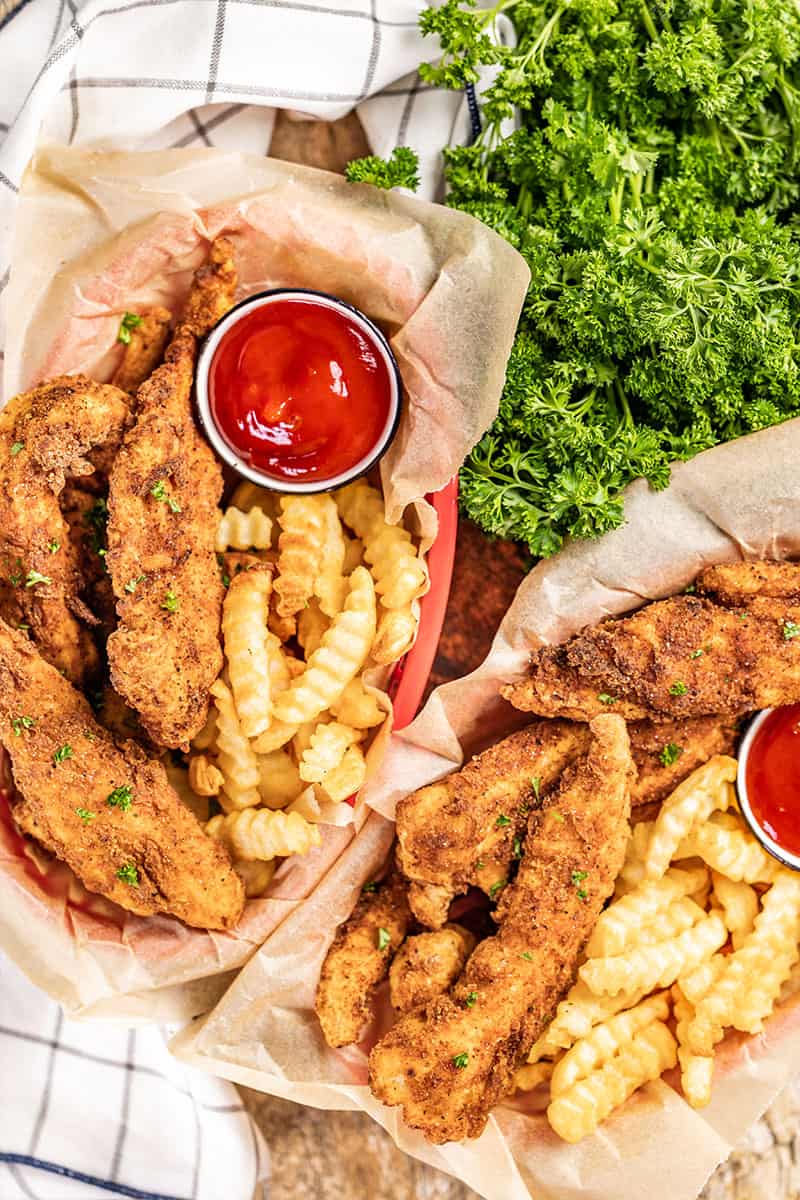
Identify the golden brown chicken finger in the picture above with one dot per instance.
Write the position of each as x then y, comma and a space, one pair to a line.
666, 752
163, 494
144, 349
108, 812
450, 1061
359, 959
466, 829
428, 965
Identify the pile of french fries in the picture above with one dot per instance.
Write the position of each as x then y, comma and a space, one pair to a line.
320, 589
701, 937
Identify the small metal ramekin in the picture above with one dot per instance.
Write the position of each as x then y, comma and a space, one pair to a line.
231, 456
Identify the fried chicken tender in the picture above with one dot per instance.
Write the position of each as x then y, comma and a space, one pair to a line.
145, 349
107, 811
692, 742
163, 494
45, 434
461, 831
428, 965
726, 650
466, 830
359, 959
448, 1062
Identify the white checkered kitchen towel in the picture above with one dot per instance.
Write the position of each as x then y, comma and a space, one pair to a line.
92, 1109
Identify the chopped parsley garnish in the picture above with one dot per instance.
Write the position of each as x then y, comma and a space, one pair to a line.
54, 546
85, 814
129, 321
15, 449
470, 999
62, 754
159, 492
132, 584
501, 821
24, 626
790, 630
670, 754
697, 653
384, 938
526, 954
497, 887
557, 816
577, 879
690, 589
20, 723
90, 737
128, 874
479, 864
516, 848
34, 577
678, 688
370, 887
604, 698
121, 797
536, 783
460, 1060
96, 519
170, 602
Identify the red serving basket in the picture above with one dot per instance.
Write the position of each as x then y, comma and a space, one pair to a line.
410, 676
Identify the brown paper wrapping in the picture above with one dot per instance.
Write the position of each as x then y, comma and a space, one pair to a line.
99, 233
738, 500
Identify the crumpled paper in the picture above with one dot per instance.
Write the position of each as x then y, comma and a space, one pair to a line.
99, 233
737, 500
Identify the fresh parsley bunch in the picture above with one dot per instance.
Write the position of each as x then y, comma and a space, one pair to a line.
651, 188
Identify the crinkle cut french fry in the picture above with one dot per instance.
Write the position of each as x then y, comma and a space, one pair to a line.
533, 1075
739, 904
256, 876
606, 1040
239, 530
330, 585
261, 834
632, 872
692, 801
696, 983
395, 636
207, 736
681, 915
696, 1069
279, 780
357, 707
277, 733
346, 779
400, 574
579, 1111
337, 660
301, 544
307, 805
235, 757
245, 638
735, 853
205, 779
325, 751
353, 554
657, 965
750, 982
576, 1016
619, 925
249, 495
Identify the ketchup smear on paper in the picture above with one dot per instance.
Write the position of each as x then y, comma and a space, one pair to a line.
773, 777
299, 390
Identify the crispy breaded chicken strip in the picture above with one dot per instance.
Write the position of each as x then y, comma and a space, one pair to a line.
690, 743
145, 349
727, 650
106, 811
450, 1061
359, 959
462, 830
163, 494
428, 965
46, 434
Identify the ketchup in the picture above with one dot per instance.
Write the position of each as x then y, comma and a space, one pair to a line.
772, 776
299, 390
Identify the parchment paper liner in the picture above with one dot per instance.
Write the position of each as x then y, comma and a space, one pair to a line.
99, 233
742, 499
